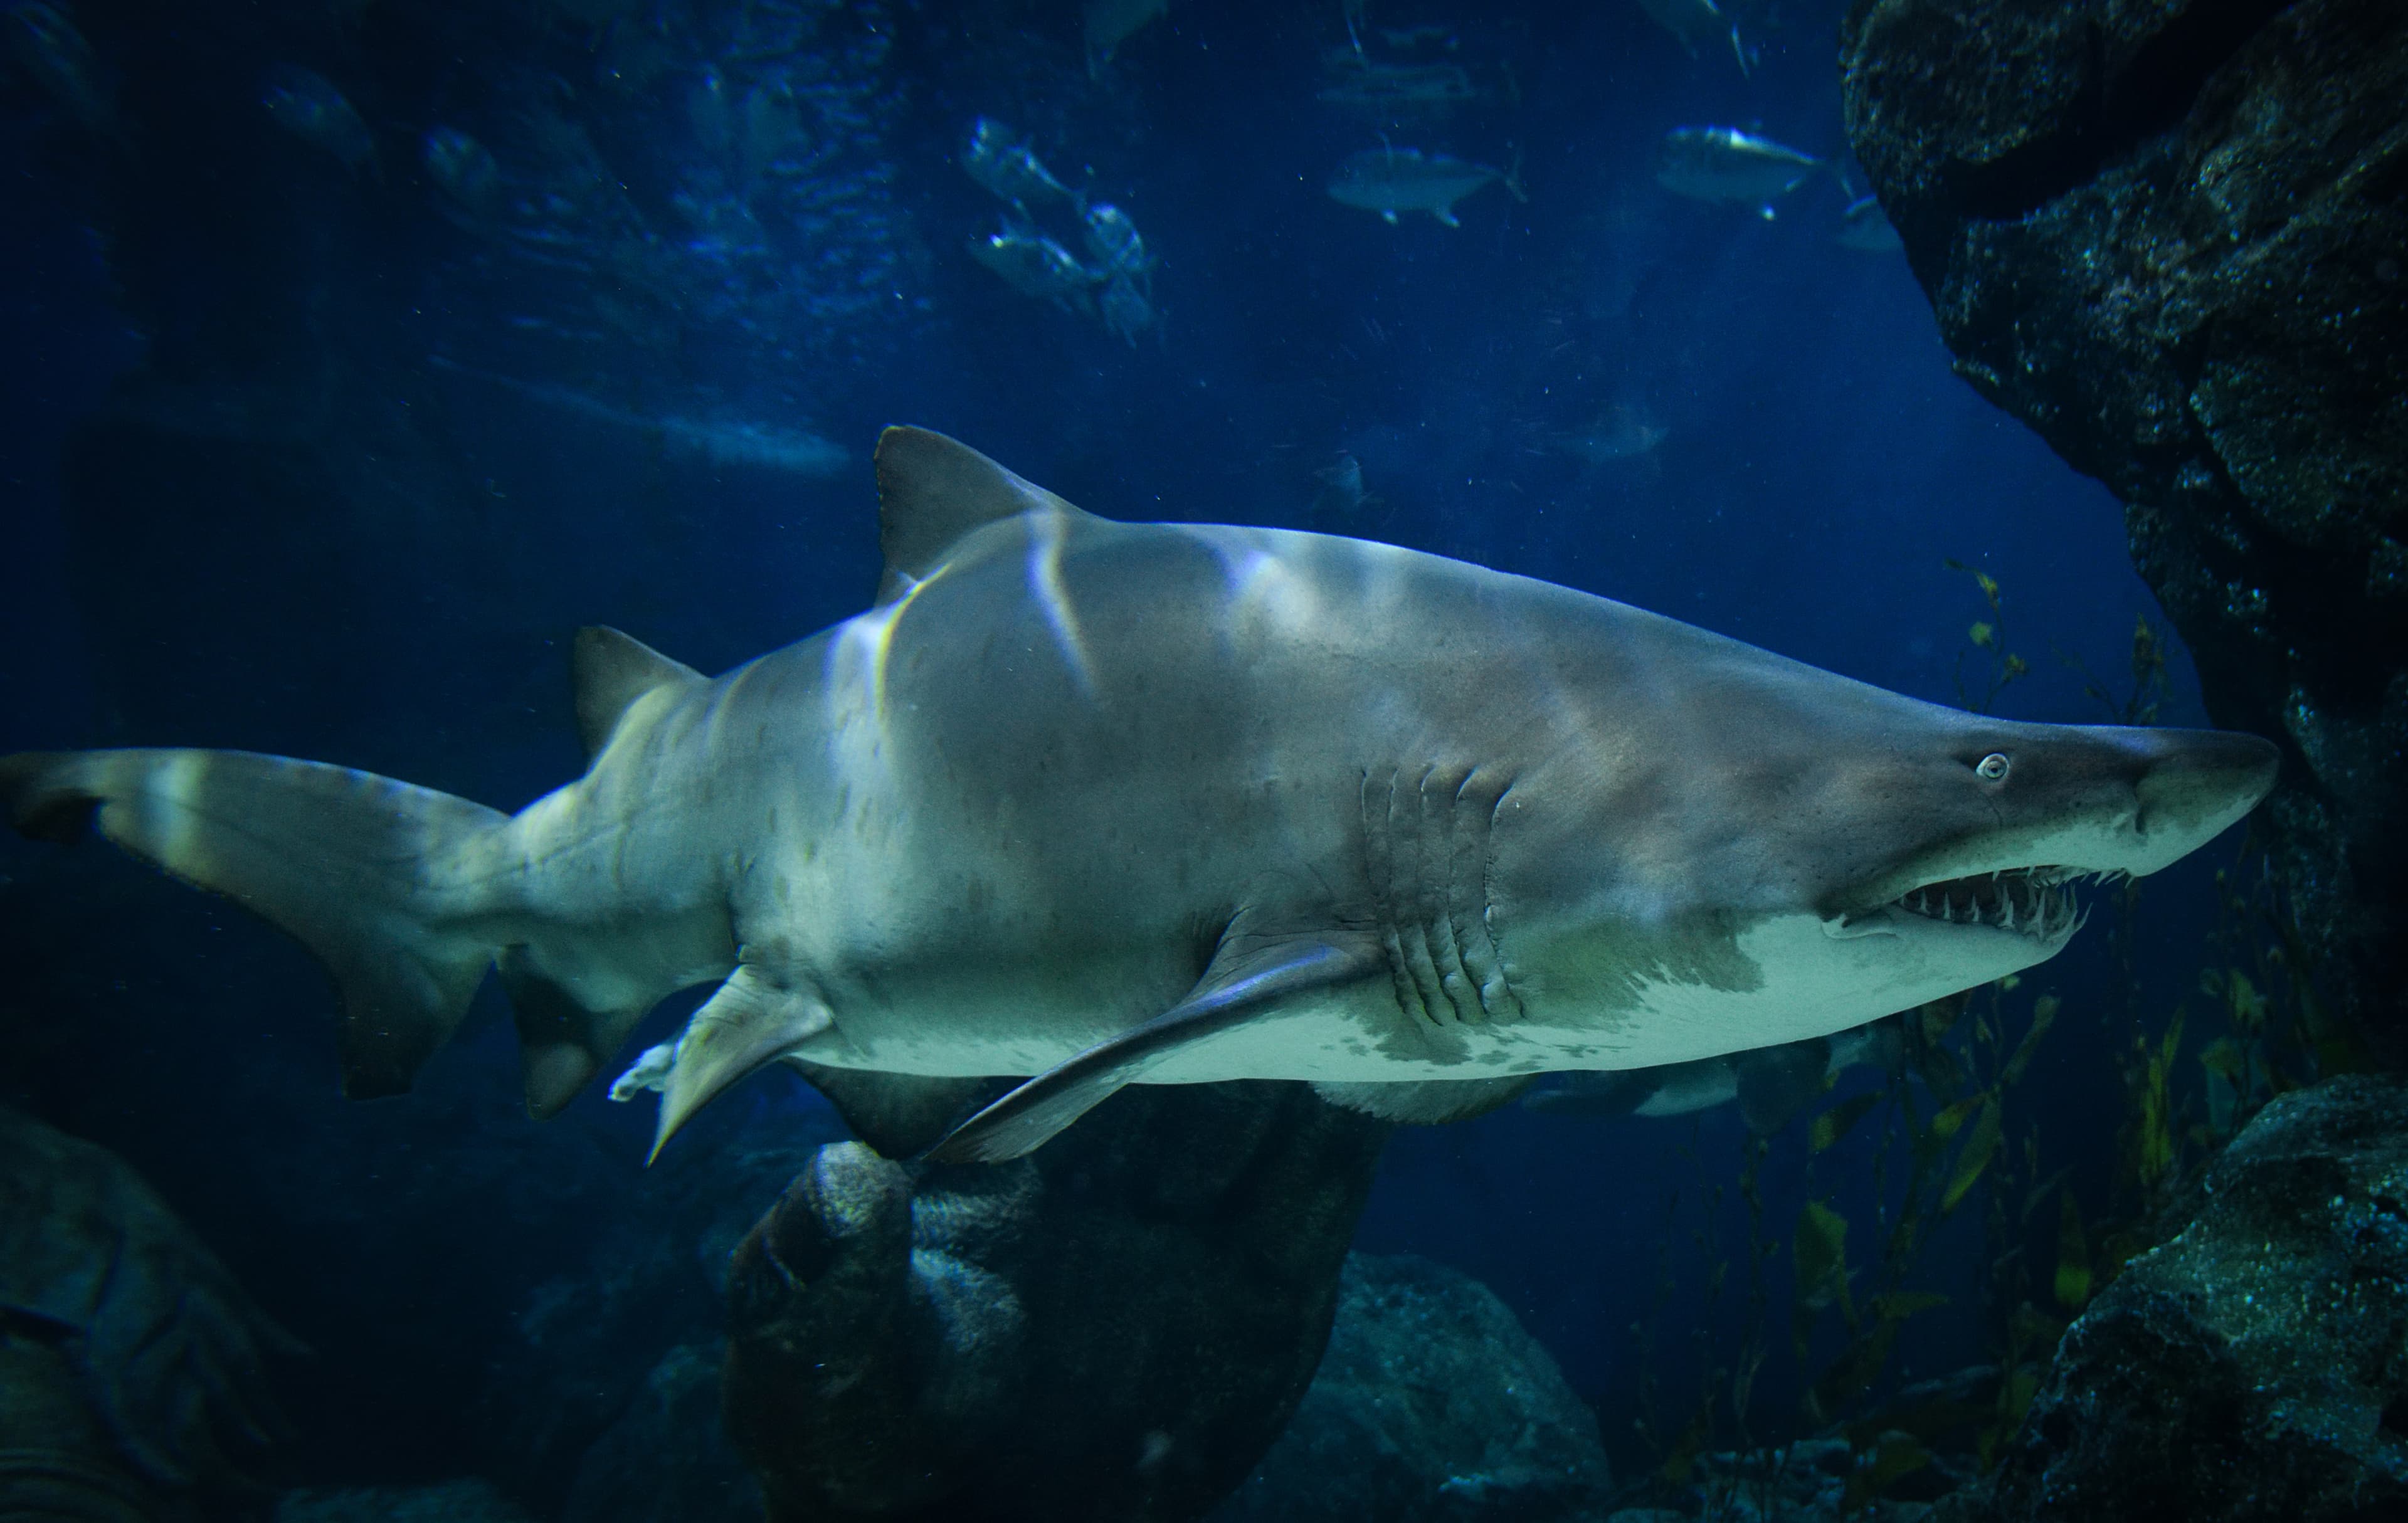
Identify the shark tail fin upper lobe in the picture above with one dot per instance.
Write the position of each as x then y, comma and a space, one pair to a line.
380, 879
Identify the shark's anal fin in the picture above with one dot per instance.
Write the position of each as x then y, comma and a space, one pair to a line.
563, 1040
749, 1022
1234, 988
610, 671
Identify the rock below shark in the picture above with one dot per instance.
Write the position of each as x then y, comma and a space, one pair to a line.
1107, 803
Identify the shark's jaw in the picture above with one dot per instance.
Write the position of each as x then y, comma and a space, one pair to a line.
2041, 905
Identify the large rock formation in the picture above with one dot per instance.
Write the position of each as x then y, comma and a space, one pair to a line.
133, 1369
2172, 237
1116, 1327
2256, 1365
1432, 1405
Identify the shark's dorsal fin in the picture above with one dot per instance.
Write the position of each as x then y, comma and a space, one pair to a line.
1233, 990
932, 491
611, 672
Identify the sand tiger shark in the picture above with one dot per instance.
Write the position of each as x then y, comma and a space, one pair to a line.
1105, 803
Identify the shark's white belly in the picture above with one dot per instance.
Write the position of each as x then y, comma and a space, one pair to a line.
1810, 985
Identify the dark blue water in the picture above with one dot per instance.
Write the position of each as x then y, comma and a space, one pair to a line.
306, 457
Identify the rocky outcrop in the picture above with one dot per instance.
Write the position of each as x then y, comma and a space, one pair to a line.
2256, 1365
134, 1379
1432, 1405
2173, 239
1115, 1327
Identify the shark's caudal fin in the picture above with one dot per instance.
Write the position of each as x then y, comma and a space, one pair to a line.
377, 878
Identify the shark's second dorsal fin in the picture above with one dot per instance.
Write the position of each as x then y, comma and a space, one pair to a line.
610, 671
932, 491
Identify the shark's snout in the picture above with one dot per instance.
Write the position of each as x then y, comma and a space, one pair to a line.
2201, 780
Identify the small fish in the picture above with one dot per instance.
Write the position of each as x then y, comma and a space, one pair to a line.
306, 103
1010, 171
1622, 434
1111, 22
1035, 266
47, 46
1391, 179
463, 169
1693, 22
1118, 248
1771, 1084
1360, 84
1726, 165
1341, 498
1125, 309
720, 439
1863, 226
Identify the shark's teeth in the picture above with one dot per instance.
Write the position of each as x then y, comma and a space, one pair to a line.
2040, 902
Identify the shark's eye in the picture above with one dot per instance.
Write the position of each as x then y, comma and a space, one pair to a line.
1992, 767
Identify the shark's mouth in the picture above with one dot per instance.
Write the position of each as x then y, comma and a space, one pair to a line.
2038, 902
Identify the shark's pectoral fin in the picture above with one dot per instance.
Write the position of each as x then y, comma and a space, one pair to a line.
749, 1022
1425, 1102
900, 1114
1446, 216
1235, 987
608, 671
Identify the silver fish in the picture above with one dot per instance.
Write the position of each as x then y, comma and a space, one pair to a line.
1125, 309
1391, 179
1864, 226
49, 47
1622, 434
463, 169
1010, 170
1726, 165
306, 103
1035, 266
1698, 23
1383, 88
1107, 24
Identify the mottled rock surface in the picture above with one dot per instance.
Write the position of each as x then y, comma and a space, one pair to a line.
1115, 1327
2172, 237
135, 1377
1432, 1405
2256, 1365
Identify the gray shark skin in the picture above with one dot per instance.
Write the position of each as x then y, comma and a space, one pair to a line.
1110, 802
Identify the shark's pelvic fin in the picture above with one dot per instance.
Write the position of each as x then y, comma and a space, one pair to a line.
610, 672
1233, 989
1425, 1102
380, 879
931, 492
749, 1022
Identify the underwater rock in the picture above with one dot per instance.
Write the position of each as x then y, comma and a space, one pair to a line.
445, 1501
668, 1456
1432, 1405
2169, 237
2251, 1366
602, 1404
133, 1367
1115, 1327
